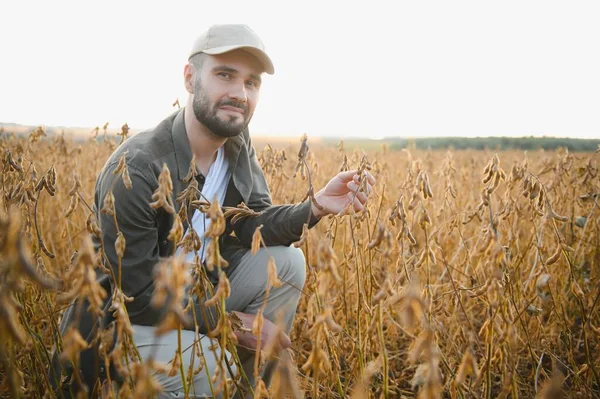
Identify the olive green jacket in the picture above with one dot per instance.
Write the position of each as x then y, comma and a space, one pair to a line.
146, 229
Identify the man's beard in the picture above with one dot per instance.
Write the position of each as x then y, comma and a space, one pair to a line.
207, 115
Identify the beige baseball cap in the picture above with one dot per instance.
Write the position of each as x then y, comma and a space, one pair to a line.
219, 39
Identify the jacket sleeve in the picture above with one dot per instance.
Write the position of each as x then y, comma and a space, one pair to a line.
136, 219
282, 224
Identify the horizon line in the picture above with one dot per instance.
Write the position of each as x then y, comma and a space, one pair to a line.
282, 136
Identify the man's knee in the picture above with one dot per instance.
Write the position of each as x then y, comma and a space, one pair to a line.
291, 264
172, 386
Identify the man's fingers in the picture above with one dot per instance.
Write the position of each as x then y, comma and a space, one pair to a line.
369, 176
358, 206
347, 176
353, 186
360, 196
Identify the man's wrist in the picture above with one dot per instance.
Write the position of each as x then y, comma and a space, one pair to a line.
316, 212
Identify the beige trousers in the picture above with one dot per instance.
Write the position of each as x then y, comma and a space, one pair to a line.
248, 285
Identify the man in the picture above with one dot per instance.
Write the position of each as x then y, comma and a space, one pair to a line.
223, 81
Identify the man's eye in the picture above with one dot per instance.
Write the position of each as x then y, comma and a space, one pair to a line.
225, 75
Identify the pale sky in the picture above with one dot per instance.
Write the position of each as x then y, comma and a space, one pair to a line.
342, 68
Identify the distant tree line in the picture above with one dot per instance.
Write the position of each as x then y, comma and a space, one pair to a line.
480, 143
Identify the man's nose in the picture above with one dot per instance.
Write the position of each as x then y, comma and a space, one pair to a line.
238, 92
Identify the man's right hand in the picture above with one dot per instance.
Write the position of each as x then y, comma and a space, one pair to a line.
342, 190
269, 332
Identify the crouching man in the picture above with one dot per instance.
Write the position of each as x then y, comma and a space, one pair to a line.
223, 81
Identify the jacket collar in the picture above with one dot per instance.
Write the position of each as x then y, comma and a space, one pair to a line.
183, 152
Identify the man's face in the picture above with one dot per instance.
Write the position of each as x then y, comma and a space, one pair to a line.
226, 92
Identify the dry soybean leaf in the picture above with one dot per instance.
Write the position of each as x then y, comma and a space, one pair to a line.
303, 237
567, 248
558, 217
175, 363
431, 256
272, 273
121, 164
535, 190
555, 256
11, 321
76, 185
92, 225
127, 179
468, 367
378, 236
176, 231
73, 344
577, 291
109, 204
256, 239
72, 205
120, 245
45, 250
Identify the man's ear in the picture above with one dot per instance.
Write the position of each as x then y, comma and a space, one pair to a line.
188, 78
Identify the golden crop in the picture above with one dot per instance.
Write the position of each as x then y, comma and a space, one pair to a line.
470, 274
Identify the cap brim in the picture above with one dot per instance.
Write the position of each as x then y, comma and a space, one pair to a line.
262, 57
